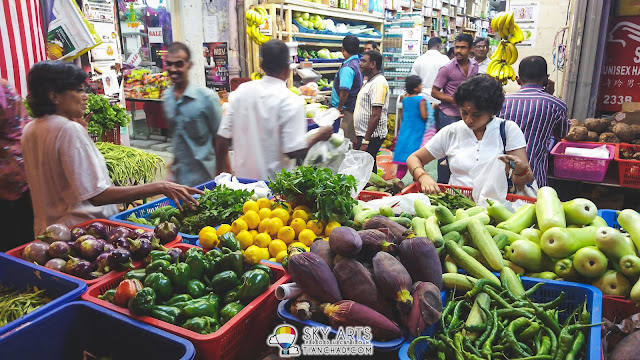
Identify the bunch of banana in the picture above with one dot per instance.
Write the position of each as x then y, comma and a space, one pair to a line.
504, 24
255, 76
506, 51
501, 70
256, 17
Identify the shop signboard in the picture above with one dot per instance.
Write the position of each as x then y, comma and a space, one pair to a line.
620, 77
155, 35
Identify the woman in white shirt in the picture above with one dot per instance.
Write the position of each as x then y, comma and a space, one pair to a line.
475, 139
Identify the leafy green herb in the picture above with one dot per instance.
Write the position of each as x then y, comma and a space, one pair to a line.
326, 193
218, 206
105, 116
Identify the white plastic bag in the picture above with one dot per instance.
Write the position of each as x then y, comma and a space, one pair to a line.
260, 188
326, 154
489, 181
398, 203
360, 165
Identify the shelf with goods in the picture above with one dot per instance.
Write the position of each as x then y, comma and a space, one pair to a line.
283, 25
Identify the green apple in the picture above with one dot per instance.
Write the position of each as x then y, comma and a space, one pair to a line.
579, 211
564, 268
613, 283
532, 234
613, 244
590, 262
297, 14
630, 266
305, 16
560, 243
526, 254
299, 20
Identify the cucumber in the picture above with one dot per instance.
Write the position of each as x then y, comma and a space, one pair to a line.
449, 265
406, 215
497, 211
422, 209
454, 235
511, 236
433, 230
418, 225
461, 225
549, 210
476, 315
516, 268
461, 214
520, 220
484, 242
378, 181
359, 219
501, 240
475, 254
401, 220
475, 210
460, 282
468, 263
511, 281
444, 215
385, 210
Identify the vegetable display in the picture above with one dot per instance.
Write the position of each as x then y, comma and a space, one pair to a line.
15, 304
377, 183
129, 166
608, 130
105, 116
200, 292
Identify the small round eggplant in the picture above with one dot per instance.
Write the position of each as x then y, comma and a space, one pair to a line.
90, 249
102, 263
122, 243
166, 231
119, 259
119, 232
77, 245
176, 255
55, 232
37, 252
56, 264
79, 268
136, 233
59, 249
97, 229
108, 248
76, 233
146, 235
140, 248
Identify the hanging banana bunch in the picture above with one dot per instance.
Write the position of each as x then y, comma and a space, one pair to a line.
256, 76
506, 54
255, 17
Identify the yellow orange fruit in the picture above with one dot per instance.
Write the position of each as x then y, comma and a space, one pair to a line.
264, 203
250, 205
245, 239
276, 246
301, 214
252, 219
223, 229
287, 234
281, 214
280, 256
298, 225
208, 237
253, 233
238, 226
262, 227
316, 226
303, 208
306, 237
273, 226
264, 213
285, 205
262, 240
330, 226
297, 244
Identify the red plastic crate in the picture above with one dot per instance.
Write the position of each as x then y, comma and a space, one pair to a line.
580, 167
112, 136
251, 325
17, 252
617, 308
628, 170
371, 195
466, 191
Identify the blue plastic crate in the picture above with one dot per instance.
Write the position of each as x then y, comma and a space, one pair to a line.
393, 345
82, 326
20, 274
336, 126
145, 210
575, 296
610, 216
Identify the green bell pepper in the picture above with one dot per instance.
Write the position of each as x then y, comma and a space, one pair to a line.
157, 266
231, 260
196, 288
229, 241
196, 264
210, 267
165, 313
161, 284
108, 295
179, 298
230, 310
213, 254
159, 255
194, 250
266, 269
231, 295
143, 301
224, 281
200, 307
254, 283
179, 274
138, 274
201, 324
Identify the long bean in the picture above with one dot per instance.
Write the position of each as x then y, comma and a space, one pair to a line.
15, 304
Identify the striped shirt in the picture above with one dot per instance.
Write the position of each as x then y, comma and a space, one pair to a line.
540, 116
375, 92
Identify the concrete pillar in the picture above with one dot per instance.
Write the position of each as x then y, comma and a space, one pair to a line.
186, 22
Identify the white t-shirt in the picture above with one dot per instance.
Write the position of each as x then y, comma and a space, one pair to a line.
482, 66
64, 170
426, 66
463, 151
265, 121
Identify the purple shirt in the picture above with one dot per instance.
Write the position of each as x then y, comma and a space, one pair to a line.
449, 78
540, 116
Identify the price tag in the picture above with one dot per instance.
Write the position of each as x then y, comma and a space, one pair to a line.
134, 59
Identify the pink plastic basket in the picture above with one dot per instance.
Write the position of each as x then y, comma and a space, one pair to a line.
580, 167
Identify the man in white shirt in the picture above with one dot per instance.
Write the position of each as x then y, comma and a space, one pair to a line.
481, 52
427, 65
266, 121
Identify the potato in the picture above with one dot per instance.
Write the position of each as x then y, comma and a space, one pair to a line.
624, 132
609, 137
577, 133
597, 125
574, 122
636, 131
592, 136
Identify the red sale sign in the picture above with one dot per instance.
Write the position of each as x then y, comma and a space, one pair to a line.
620, 78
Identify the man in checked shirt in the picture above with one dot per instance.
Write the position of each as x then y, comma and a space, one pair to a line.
540, 115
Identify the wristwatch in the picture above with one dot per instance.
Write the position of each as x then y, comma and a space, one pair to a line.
365, 142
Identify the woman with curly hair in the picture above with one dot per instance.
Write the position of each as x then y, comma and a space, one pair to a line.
475, 139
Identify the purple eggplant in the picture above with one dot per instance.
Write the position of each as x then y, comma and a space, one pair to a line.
166, 231
120, 260
76, 233
136, 233
55, 232
59, 249
119, 232
102, 263
77, 245
56, 264
97, 229
176, 255
36, 252
90, 249
122, 243
102, 241
140, 248
79, 268
108, 248
146, 235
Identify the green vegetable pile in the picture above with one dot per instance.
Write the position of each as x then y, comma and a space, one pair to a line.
452, 201
105, 116
129, 166
15, 304
327, 194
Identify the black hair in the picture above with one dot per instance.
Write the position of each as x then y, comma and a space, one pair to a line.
372, 43
411, 83
351, 44
483, 91
532, 69
450, 52
465, 38
51, 76
176, 46
434, 42
376, 57
479, 40
275, 57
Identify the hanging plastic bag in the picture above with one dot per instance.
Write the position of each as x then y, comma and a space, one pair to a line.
328, 154
399, 203
260, 188
489, 181
360, 165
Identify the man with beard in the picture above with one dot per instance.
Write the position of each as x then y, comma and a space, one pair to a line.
194, 114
